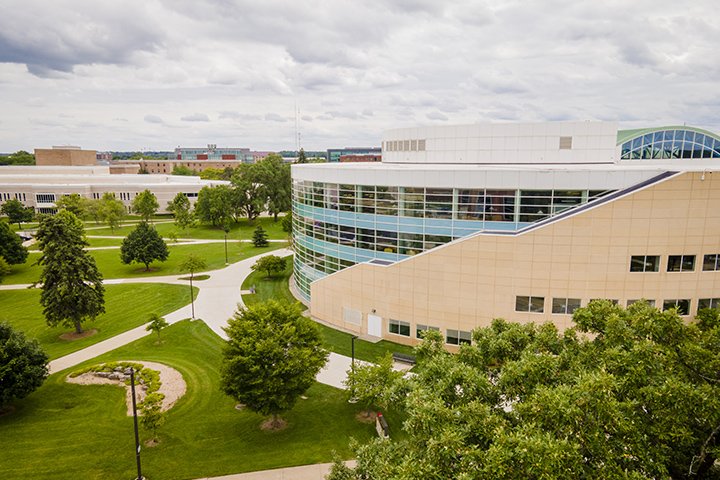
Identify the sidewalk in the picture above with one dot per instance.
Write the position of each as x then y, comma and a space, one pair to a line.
305, 472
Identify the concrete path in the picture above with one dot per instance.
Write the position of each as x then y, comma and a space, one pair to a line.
305, 472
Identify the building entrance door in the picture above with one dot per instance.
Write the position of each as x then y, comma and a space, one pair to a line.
374, 325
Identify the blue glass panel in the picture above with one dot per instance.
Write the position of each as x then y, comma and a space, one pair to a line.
687, 148
677, 148
438, 231
636, 143
699, 138
668, 135
469, 224
689, 136
657, 137
708, 142
679, 134
697, 150
716, 146
625, 149
707, 153
647, 139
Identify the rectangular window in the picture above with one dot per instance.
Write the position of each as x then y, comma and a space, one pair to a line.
711, 262
649, 302
421, 329
45, 197
645, 263
458, 337
530, 304
681, 263
708, 303
565, 305
682, 305
399, 327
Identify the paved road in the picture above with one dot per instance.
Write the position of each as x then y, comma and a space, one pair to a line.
305, 472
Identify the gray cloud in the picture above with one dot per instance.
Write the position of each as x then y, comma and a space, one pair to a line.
153, 119
437, 116
195, 117
274, 117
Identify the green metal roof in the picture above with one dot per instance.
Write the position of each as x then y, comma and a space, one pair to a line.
625, 135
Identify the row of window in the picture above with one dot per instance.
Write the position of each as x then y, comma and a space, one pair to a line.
404, 145
569, 305
45, 198
675, 263
452, 337
12, 196
490, 205
671, 144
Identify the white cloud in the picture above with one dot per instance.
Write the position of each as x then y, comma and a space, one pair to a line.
195, 117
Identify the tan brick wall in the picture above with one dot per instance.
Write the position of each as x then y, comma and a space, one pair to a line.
468, 283
62, 156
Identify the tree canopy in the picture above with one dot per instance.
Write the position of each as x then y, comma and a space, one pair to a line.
73, 203
270, 264
143, 245
11, 247
21, 157
111, 210
17, 212
72, 289
271, 357
23, 365
249, 191
145, 204
274, 174
183, 170
214, 204
639, 397
182, 210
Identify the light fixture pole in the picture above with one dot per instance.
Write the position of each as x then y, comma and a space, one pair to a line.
352, 369
135, 420
226, 229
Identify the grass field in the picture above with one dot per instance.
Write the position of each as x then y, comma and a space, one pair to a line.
65, 431
105, 242
335, 340
109, 264
238, 231
127, 306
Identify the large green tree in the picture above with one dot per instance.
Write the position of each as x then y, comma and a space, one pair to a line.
112, 210
16, 212
73, 203
249, 191
11, 247
182, 210
270, 264
274, 174
143, 245
145, 204
626, 394
214, 205
72, 289
21, 157
272, 356
23, 365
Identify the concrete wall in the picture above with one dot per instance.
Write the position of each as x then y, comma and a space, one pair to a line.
467, 283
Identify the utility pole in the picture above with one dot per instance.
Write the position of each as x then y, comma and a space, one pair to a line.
135, 419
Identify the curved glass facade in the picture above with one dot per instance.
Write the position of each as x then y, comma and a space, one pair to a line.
338, 225
675, 143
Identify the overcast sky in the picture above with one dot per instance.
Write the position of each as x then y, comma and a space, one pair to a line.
156, 74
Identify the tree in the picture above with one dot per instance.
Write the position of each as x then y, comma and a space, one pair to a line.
4, 269
636, 396
152, 415
212, 174
145, 204
16, 212
249, 192
72, 289
23, 365
11, 247
143, 245
192, 264
214, 204
302, 158
93, 209
112, 210
271, 357
181, 209
21, 157
286, 223
371, 384
270, 264
274, 174
183, 170
157, 323
260, 237
73, 203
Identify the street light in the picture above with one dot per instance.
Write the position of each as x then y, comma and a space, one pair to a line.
135, 419
226, 229
352, 399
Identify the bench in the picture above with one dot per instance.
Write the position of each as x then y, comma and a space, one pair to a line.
403, 358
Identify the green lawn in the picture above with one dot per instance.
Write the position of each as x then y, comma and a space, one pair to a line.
65, 431
335, 340
109, 264
126, 307
239, 231
105, 242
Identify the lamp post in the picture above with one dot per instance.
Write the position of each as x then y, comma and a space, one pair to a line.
135, 420
352, 369
226, 229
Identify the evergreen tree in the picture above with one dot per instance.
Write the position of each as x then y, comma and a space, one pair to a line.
143, 245
260, 237
302, 158
11, 247
72, 289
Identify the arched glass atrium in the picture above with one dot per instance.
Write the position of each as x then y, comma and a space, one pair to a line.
670, 143
338, 225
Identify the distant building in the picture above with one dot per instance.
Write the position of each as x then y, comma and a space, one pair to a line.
212, 152
334, 154
257, 156
155, 166
66, 155
103, 156
361, 157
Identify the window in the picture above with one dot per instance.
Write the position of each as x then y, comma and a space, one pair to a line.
421, 329
458, 337
683, 306
645, 263
530, 304
711, 262
565, 305
649, 302
681, 263
708, 303
45, 197
399, 327
565, 143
